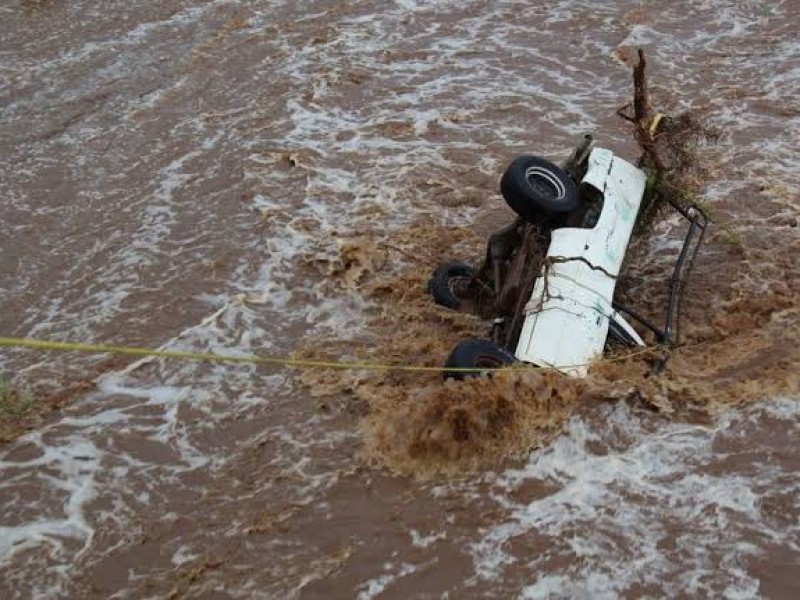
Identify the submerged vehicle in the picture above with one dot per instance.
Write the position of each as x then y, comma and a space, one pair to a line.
548, 280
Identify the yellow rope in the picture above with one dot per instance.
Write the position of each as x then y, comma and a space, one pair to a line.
12, 342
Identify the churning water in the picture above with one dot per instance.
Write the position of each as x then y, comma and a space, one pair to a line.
279, 177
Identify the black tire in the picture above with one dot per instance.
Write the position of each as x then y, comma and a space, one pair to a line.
441, 283
476, 354
539, 191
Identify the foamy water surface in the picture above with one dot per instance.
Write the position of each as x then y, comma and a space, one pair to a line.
190, 174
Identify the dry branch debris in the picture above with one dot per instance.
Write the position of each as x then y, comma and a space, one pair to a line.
669, 148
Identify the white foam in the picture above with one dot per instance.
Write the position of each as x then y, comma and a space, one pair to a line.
510, 89
76, 462
374, 587
614, 510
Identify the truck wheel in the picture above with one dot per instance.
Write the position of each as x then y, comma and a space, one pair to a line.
539, 191
476, 354
449, 282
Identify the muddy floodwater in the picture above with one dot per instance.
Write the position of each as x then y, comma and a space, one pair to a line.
279, 178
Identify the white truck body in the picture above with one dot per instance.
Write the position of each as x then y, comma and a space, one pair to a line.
567, 317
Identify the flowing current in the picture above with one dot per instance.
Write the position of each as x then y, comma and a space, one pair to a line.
279, 178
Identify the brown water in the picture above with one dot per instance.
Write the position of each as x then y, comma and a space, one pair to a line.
270, 177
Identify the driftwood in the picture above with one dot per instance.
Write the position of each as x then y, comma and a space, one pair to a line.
645, 120
669, 147
675, 176
645, 123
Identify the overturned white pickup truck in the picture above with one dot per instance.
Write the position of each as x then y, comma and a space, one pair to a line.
556, 308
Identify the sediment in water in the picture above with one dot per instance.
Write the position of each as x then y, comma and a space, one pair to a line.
738, 346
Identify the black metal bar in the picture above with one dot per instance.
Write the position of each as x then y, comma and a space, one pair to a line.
640, 319
680, 275
574, 165
684, 211
683, 266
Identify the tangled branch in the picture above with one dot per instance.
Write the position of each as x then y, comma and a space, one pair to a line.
669, 146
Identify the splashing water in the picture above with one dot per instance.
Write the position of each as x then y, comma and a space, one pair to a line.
274, 177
